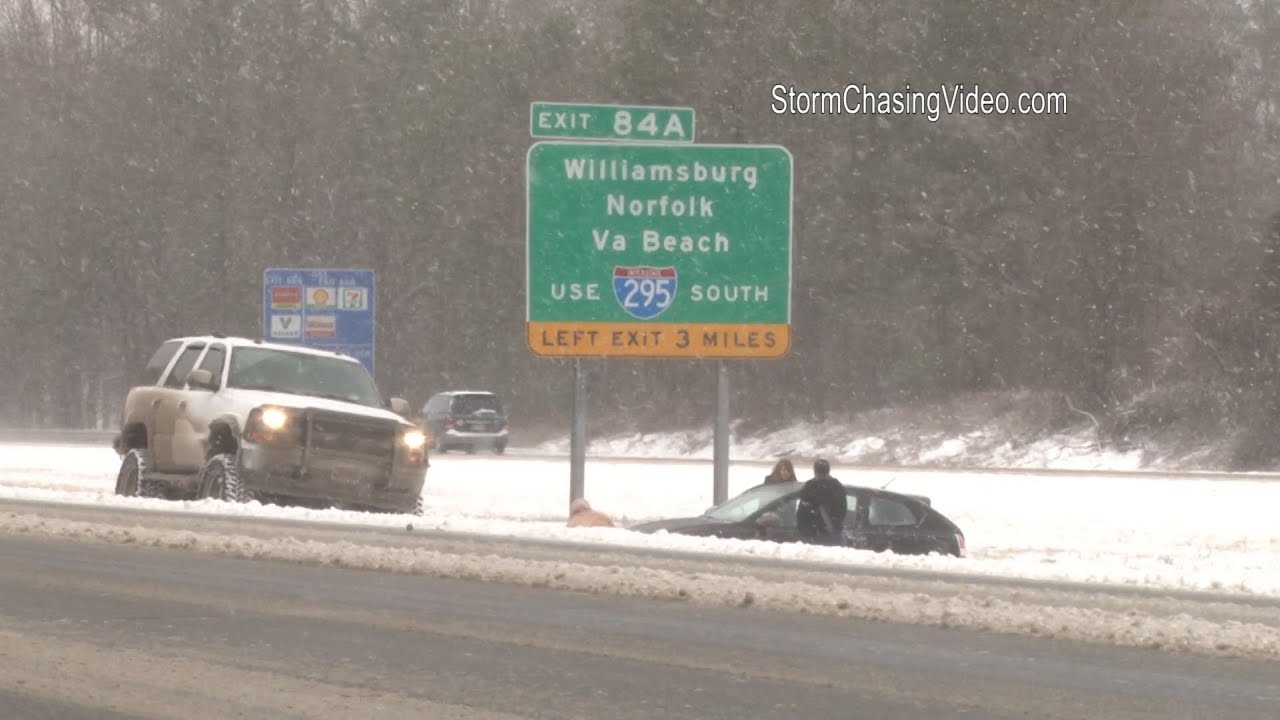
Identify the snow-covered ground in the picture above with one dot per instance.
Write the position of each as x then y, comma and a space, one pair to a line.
1151, 531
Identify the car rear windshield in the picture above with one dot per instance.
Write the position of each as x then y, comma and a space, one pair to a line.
274, 370
473, 403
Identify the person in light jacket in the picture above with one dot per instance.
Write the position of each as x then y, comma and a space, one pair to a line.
582, 515
783, 472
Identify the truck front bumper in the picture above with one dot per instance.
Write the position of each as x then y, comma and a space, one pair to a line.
329, 478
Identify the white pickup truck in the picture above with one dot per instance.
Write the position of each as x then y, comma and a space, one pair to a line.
238, 420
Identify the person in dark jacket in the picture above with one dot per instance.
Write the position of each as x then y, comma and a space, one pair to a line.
823, 505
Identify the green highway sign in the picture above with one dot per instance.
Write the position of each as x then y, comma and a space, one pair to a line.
642, 250
611, 122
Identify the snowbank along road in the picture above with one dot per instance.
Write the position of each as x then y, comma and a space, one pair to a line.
103, 630
1220, 624
1148, 562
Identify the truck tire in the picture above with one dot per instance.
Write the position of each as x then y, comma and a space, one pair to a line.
133, 479
220, 480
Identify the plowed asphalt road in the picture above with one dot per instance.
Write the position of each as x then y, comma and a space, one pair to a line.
111, 631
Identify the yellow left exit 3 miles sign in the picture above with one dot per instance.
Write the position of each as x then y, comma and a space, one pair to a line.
660, 340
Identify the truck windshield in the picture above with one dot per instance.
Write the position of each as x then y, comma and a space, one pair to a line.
255, 368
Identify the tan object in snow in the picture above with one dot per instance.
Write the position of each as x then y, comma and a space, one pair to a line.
581, 515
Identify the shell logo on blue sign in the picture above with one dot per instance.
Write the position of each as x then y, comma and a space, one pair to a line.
644, 292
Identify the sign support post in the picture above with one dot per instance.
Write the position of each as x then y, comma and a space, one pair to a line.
578, 436
720, 481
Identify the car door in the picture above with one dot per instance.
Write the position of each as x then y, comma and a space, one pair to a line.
856, 532
196, 410
165, 410
785, 509
891, 525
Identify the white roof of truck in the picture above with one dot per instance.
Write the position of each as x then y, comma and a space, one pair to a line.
234, 342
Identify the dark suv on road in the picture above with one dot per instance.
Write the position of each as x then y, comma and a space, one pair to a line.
466, 419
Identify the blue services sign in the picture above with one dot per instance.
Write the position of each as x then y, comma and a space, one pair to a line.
325, 309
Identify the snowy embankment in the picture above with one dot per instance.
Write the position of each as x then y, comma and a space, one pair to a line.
995, 429
990, 448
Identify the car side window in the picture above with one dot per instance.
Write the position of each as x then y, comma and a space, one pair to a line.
160, 359
186, 361
786, 510
213, 362
883, 511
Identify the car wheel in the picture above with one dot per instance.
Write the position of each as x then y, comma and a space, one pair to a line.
419, 507
133, 480
220, 480
499, 448
471, 449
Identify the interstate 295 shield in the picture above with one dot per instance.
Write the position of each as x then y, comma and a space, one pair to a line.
644, 292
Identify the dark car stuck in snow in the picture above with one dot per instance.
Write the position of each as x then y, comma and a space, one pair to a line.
877, 520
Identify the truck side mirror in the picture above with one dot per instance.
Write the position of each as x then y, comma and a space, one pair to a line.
400, 406
202, 378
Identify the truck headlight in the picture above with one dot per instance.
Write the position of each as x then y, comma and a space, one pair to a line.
274, 418
414, 439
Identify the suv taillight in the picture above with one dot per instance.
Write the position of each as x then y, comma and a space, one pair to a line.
960, 544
